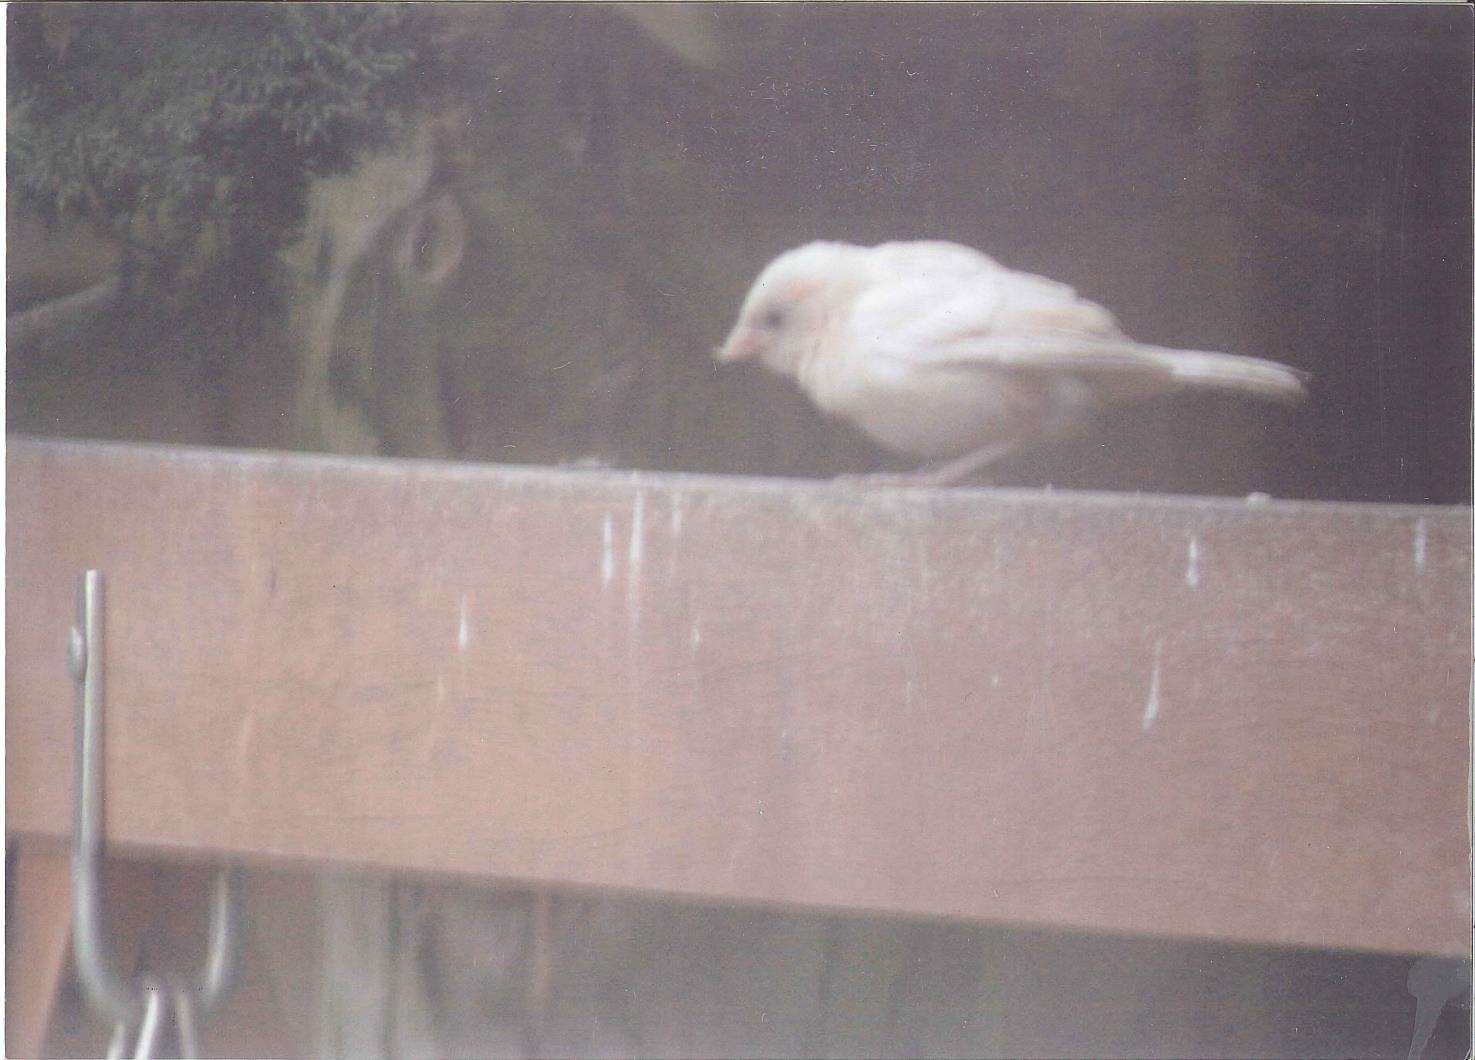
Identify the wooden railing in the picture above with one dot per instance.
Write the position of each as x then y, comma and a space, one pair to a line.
1209, 718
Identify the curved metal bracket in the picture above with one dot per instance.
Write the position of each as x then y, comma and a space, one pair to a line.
125, 1000
106, 987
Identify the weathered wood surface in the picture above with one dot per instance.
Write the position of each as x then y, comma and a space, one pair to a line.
1195, 717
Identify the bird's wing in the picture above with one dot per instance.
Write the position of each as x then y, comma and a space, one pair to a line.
994, 318
997, 319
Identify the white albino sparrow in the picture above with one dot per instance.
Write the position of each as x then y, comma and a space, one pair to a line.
939, 352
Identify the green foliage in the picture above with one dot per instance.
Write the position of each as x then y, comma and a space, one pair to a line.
191, 131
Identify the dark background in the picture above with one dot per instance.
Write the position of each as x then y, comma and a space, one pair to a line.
1280, 181
1288, 182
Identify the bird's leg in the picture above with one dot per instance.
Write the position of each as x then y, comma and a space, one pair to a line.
951, 471
946, 473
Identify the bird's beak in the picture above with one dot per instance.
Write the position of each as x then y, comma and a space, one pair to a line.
741, 345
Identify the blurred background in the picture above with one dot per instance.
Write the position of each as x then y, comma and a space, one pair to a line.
514, 233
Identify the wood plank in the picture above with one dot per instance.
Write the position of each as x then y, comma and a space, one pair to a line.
36, 943
1177, 716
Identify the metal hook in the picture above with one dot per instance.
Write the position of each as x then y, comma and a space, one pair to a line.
107, 989
123, 1000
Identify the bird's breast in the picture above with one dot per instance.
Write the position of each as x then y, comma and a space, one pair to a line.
925, 411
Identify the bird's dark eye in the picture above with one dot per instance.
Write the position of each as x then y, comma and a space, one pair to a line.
772, 318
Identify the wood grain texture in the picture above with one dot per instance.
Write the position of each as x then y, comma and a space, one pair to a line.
1170, 716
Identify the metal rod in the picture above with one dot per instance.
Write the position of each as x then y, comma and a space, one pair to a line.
151, 1025
106, 988
220, 954
186, 1026
118, 1045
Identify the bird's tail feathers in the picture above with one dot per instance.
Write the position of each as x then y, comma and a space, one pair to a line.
1129, 367
1228, 371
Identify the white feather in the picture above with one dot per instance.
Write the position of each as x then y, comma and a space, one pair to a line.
937, 350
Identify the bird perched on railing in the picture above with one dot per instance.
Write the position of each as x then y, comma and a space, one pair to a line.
939, 352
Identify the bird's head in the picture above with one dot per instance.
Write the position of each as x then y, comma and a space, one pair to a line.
784, 313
